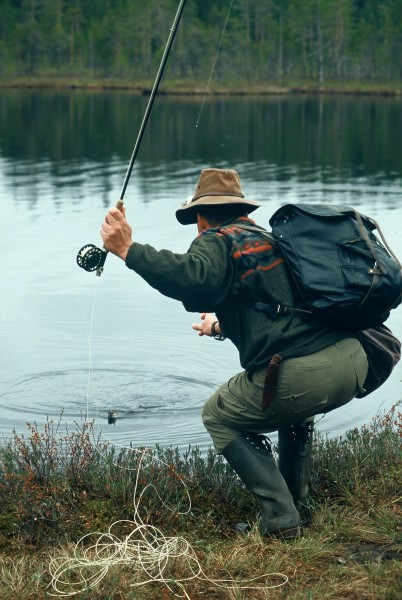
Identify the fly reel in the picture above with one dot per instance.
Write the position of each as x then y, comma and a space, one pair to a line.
91, 258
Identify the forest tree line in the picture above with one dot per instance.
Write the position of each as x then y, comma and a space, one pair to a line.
267, 41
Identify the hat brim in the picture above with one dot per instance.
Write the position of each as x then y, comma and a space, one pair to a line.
187, 215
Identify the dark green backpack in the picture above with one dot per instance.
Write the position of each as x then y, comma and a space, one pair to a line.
345, 276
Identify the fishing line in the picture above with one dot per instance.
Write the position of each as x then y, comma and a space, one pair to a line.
210, 78
214, 63
151, 556
89, 377
89, 330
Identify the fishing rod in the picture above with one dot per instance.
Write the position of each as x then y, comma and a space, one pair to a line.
90, 257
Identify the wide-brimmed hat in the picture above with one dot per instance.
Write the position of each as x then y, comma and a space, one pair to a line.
214, 187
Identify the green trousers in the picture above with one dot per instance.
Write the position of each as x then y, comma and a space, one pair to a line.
309, 385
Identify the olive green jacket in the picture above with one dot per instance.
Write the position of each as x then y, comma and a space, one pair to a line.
224, 271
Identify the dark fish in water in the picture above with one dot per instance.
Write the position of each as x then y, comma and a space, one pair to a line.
111, 417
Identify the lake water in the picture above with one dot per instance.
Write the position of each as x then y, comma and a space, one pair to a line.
63, 157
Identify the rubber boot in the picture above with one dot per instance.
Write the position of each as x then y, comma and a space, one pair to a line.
251, 457
295, 444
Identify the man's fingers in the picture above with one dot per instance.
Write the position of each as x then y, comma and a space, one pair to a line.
116, 214
198, 327
113, 215
110, 218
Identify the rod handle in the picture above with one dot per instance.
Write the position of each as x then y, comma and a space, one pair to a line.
120, 204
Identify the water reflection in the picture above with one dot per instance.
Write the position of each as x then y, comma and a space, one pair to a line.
74, 137
63, 157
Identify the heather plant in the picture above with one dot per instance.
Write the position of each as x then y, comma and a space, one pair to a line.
64, 483
362, 463
41, 473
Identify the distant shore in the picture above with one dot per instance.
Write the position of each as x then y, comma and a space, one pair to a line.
191, 88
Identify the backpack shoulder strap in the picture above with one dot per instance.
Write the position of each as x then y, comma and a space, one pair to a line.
274, 309
256, 229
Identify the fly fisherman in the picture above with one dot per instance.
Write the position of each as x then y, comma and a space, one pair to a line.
293, 368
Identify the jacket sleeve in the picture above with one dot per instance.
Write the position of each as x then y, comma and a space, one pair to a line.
200, 278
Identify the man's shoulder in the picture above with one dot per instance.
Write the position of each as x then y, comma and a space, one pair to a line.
210, 239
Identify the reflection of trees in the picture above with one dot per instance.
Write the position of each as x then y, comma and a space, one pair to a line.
85, 135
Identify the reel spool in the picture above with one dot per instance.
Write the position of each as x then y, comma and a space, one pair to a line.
91, 258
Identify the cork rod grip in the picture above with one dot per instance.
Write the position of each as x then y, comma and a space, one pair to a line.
99, 270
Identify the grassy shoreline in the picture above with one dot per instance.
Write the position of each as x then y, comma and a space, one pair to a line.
191, 88
57, 486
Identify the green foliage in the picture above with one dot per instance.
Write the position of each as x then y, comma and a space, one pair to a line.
65, 484
56, 483
266, 40
363, 466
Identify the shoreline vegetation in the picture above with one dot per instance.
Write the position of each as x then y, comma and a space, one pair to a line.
58, 485
267, 47
191, 88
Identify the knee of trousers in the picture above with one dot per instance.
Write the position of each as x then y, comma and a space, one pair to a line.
220, 433
210, 418
207, 412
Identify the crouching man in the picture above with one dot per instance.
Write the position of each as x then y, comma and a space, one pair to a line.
293, 368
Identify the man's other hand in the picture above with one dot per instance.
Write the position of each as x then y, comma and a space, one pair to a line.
204, 328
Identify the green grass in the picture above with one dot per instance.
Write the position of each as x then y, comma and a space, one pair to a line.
56, 486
